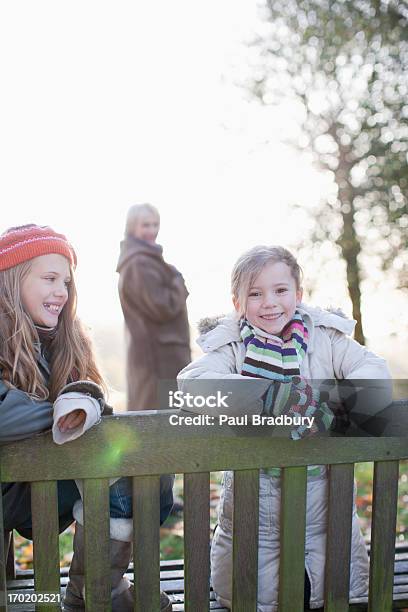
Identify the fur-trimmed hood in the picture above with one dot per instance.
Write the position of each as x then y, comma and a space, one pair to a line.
223, 329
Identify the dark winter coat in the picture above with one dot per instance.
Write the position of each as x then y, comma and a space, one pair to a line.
23, 417
153, 298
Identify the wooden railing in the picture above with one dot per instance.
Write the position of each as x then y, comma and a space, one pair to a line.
144, 445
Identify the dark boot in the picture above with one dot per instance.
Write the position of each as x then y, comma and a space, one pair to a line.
122, 588
74, 595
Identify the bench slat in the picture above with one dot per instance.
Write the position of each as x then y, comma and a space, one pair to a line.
146, 542
292, 539
340, 511
175, 587
151, 436
44, 507
3, 560
385, 495
97, 547
245, 541
10, 561
400, 582
196, 541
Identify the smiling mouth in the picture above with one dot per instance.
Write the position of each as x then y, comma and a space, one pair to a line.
271, 317
53, 308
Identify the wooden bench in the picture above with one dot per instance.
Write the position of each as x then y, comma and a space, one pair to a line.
144, 445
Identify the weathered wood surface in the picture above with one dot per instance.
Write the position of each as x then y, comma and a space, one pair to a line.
385, 494
171, 580
245, 541
120, 444
196, 541
3, 560
44, 505
292, 543
340, 511
97, 548
146, 542
10, 563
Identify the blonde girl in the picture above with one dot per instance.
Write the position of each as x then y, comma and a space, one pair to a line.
284, 344
49, 380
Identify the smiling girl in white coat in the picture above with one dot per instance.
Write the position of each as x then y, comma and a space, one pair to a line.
274, 338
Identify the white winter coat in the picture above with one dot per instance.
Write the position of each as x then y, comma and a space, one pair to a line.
331, 354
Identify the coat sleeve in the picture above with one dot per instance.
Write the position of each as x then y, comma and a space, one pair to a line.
215, 372
20, 416
66, 403
142, 288
371, 390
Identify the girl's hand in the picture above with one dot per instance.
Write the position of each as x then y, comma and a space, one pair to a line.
72, 420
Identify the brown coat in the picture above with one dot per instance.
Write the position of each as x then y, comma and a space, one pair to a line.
153, 298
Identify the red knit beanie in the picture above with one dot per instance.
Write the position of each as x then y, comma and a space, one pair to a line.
19, 244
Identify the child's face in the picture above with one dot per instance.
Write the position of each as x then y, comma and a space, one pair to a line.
147, 227
272, 298
44, 291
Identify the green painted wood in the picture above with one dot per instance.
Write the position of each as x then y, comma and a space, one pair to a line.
196, 541
44, 509
3, 560
10, 561
146, 543
385, 496
245, 541
97, 545
292, 540
340, 512
120, 444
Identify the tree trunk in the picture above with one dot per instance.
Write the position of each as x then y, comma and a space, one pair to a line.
348, 241
351, 249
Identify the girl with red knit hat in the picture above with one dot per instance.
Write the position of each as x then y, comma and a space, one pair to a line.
49, 380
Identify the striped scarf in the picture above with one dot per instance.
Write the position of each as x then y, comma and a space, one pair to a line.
279, 359
275, 358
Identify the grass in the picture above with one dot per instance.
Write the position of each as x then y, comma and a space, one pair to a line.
171, 533
364, 500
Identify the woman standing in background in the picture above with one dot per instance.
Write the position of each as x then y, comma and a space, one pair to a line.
153, 298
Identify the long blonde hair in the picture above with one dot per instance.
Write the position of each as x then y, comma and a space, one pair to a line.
71, 354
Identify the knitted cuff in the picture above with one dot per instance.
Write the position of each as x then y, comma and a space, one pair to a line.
84, 386
88, 387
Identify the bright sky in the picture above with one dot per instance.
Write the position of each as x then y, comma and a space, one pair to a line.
105, 104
